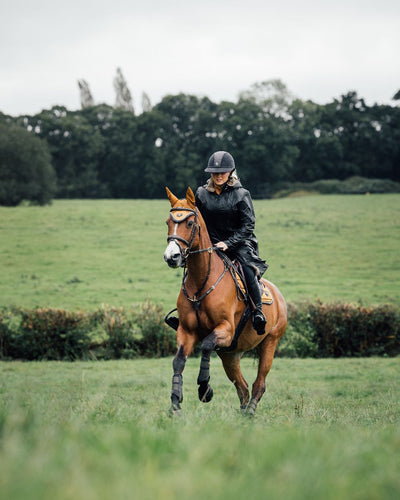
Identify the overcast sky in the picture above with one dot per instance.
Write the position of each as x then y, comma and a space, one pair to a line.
319, 49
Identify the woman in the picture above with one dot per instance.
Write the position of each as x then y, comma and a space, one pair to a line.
228, 211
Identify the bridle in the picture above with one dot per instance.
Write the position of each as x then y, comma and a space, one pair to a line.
178, 215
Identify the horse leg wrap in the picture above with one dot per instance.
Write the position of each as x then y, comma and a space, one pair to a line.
176, 394
204, 374
208, 344
207, 348
205, 391
178, 366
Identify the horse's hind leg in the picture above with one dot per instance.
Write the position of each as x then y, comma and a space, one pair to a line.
231, 363
205, 390
267, 351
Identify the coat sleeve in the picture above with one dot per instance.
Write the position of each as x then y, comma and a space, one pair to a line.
246, 222
197, 199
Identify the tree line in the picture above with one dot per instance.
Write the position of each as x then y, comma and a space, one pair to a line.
103, 151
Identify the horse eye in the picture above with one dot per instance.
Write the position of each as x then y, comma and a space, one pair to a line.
190, 223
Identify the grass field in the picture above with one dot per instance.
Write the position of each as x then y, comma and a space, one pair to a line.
326, 429
97, 430
80, 254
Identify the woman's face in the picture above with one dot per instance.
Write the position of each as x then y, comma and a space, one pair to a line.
220, 178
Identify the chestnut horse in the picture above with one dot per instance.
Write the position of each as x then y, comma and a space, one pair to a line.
209, 308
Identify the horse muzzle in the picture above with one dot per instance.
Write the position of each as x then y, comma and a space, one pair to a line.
173, 255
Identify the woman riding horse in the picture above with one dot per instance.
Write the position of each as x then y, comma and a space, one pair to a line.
210, 309
227, 209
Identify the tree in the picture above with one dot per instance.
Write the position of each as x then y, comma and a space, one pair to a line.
75, 146
123, 97
85, 94
186, 142
120, 168
26, 172
272, 96
349, 119
146, 103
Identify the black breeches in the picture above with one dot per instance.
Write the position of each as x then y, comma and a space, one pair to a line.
249, 272
252, 285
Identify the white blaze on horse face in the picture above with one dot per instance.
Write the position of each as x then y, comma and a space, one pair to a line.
172, 254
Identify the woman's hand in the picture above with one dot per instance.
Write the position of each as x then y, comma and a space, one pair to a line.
222, 246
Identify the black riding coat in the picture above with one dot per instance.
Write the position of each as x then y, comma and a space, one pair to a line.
230, 218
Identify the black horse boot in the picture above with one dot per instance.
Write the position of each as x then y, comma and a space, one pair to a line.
258, 318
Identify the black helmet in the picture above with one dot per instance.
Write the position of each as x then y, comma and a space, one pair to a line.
221, 161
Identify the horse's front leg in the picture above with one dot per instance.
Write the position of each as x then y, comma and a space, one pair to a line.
178, 365
205, 390
177, 393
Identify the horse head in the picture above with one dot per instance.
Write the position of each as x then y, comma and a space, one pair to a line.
183, 229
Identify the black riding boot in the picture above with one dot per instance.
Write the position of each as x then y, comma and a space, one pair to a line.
258, 318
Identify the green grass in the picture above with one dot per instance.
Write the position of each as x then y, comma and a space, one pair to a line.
97, 430
80, 254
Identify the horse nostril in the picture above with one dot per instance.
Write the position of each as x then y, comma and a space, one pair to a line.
172, 255
172, 260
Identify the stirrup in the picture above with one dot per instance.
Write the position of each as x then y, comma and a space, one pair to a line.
259, 322
172, 321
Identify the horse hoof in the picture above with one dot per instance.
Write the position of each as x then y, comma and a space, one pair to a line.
206, 395
251, 408
175, 410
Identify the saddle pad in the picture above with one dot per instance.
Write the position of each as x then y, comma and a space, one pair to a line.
240, 283
266, 295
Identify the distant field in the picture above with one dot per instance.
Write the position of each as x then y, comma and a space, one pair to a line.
326, 429
80, 254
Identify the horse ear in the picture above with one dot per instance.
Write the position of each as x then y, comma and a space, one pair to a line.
190, 197
172, 198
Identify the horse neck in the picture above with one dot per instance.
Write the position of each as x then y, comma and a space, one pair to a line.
199, 265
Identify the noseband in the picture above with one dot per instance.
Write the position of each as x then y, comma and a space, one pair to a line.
178, 215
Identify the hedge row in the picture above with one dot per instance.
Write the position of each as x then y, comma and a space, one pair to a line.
352, 185
340, 330
314, 330
107, 333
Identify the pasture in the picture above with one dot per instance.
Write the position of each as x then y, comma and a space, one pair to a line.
79, 254
98, 430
